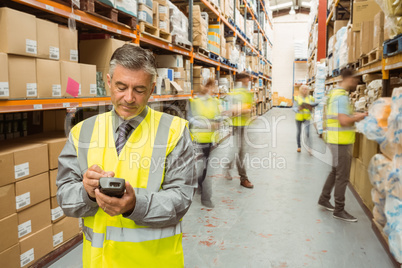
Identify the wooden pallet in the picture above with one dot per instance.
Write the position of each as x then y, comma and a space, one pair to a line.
102, 10
180, 44
165, 36
371, 57
149, 29
201, 51
393, 46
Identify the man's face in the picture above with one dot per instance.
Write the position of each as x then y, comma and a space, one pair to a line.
350, 83
130, 91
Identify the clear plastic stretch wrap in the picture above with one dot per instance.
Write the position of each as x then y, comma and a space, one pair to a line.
178, 25
393, 16
338, 50
379, 207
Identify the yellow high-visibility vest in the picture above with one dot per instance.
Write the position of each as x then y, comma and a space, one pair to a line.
205, 110
304, 114
118, 241
245, 98
336, 134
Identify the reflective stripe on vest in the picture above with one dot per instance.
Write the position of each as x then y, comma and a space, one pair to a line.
129, 235
205, 110
106, 237
304, 114
337, 134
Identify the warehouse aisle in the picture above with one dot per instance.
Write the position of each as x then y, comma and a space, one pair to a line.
277, 224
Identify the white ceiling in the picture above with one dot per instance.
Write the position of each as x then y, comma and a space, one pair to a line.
276, 5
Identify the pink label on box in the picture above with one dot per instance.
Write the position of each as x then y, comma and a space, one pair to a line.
73, 87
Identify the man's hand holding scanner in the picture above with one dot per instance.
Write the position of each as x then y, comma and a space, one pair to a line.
91, 179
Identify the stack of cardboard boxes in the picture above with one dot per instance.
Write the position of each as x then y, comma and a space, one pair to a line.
31, 223
363, 150
200, 28
214, 38
161, 15
201, 76
367, 33
173, 75
228, 8
40, 60
145, 11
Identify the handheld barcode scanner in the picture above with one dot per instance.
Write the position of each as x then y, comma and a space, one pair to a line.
113, 187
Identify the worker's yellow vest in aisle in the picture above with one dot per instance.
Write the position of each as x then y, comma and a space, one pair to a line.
304, 114
245, 98
336, 134
204, 109
118, 241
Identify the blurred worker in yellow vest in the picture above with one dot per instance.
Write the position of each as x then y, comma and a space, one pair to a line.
302, 105
340, 137
204, 114
242, 103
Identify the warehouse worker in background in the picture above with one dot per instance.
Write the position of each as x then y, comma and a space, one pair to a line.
203, 116
152, 151
242, 102
302, 107
340, 137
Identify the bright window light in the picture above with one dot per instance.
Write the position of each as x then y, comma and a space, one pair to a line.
281, 6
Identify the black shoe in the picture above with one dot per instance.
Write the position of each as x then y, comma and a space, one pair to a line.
207, 204
326, 205
343, 215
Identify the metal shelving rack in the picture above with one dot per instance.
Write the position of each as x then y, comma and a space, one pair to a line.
63, 11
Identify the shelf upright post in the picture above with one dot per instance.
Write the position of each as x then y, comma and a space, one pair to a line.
322, 29
190, 36
386, 91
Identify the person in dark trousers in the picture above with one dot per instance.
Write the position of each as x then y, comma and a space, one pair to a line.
302, 107
340, 137
203, 117
242, 102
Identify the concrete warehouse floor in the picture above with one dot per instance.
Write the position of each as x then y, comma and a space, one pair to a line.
278, 223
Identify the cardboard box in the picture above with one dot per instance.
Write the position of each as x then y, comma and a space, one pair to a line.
155, 16
378, 38
69, 70
7, 200
8, 231
356, 48
369, 149
164, 25
48, 78
52, 182
165, 73
351, 55
148, 3
362, 183
33, 219
179, 73
32, 191
197, 71
364, 11
366, 37
162, 2
55, 210
48, 39
10, 258
356, 146
352, 171
88, 80
163, 12
99, 52
64, 230
20, 161
22, 77
4, 84
127, 6
145, 14
60, 119
169, 61
35, 246
55, 143
18, 33
68, 41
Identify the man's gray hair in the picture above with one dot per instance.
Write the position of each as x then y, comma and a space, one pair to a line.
133, 58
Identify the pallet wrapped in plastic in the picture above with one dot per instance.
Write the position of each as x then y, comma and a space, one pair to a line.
379, 207
340, 51
379, 171
178, 25
393, 228
393, 16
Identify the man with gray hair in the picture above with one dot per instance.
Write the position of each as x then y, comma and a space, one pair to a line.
152, 151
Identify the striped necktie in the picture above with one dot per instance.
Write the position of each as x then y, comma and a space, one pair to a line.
124, 130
